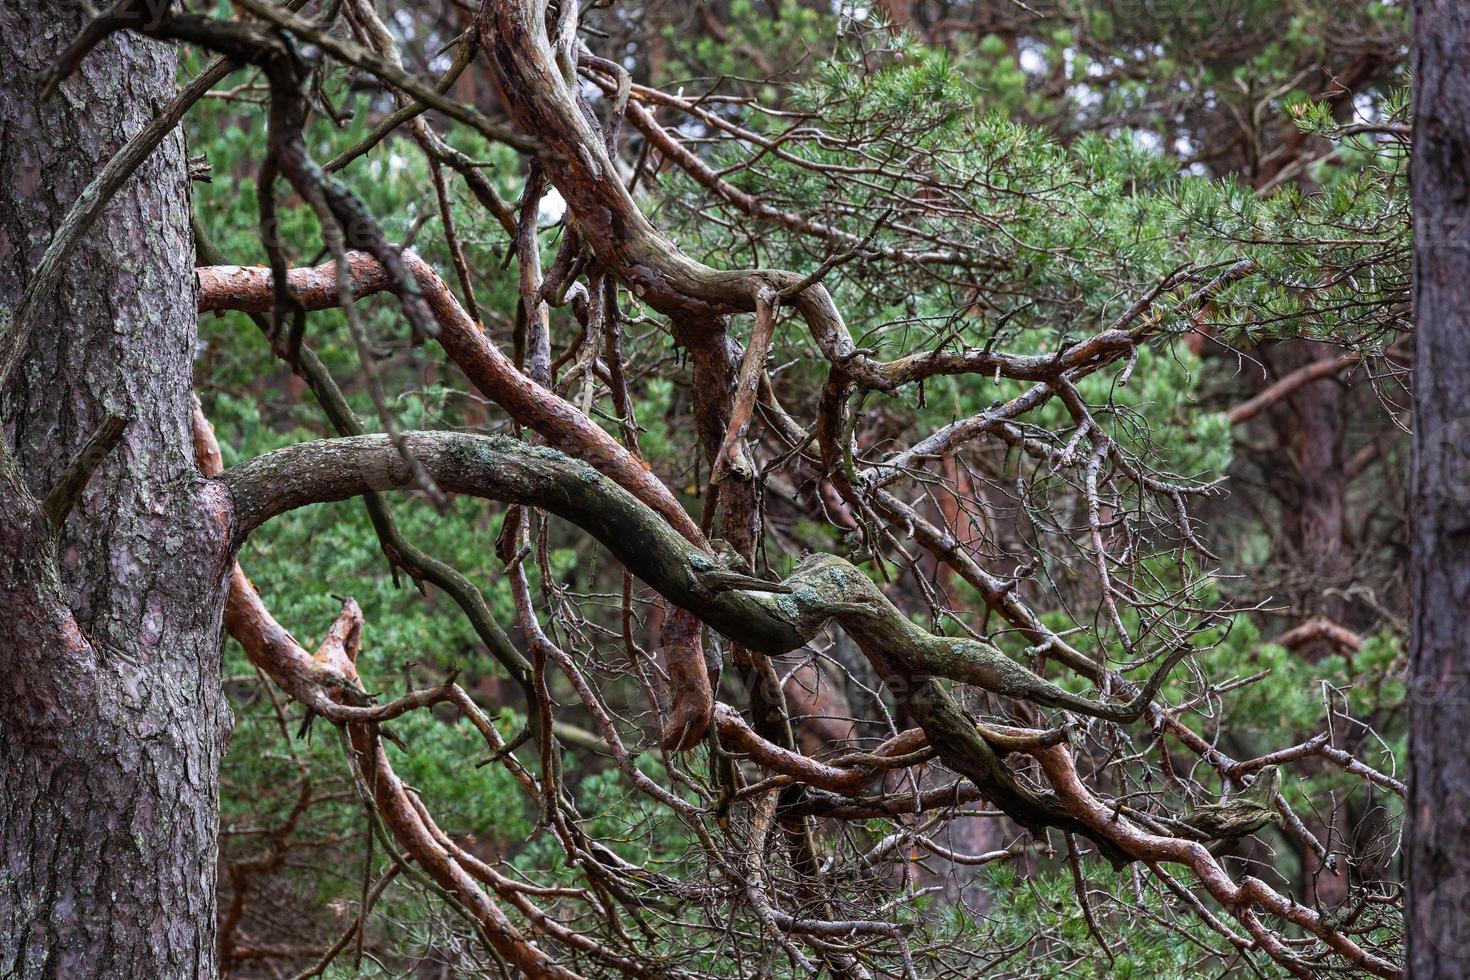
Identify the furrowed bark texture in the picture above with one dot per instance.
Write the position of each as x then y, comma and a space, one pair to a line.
111, 716
1438, 824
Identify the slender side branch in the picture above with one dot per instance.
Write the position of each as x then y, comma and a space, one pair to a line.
74, 478
1286, 384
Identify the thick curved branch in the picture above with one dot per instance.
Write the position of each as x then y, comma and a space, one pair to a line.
327, 679
774, 618
821, 589
251, 289
509, 471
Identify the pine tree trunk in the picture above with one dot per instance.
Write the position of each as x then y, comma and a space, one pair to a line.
1438, 852
111, 716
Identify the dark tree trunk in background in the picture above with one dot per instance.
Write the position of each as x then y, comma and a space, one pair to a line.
111, 715
1309, 424
1438, 852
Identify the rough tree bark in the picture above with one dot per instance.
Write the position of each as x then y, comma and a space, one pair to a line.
1438, 831
111, 715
